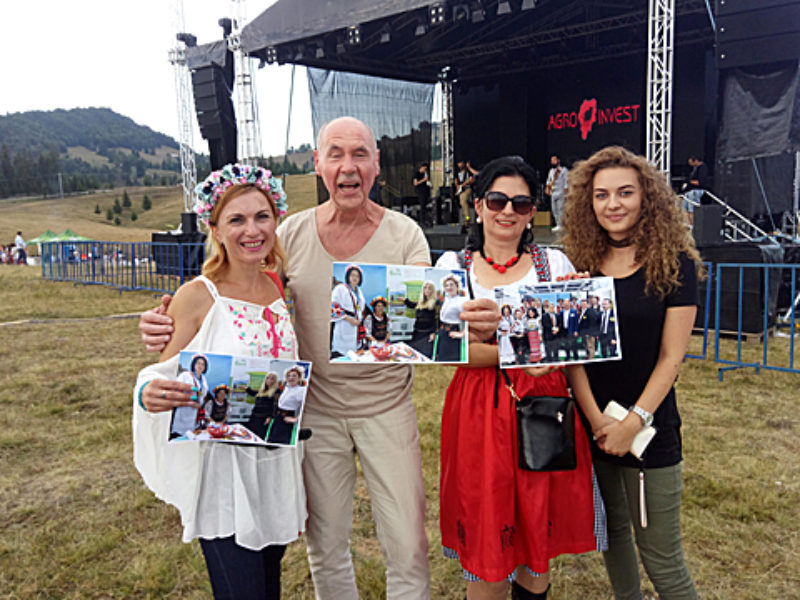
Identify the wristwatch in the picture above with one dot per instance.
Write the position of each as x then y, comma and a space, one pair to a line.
646, 417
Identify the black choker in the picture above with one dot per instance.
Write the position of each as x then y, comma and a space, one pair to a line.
628, 241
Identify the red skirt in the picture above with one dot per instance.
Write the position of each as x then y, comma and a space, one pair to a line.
493, 514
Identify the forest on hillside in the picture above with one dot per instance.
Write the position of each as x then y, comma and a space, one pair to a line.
45, 152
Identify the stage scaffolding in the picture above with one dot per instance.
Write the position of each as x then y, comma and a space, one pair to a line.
660, 40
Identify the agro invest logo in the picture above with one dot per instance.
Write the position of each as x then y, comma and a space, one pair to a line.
589, 114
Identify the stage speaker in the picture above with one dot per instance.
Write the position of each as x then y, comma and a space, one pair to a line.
180, 254
212, 88
752, 283
707, 227
751, 32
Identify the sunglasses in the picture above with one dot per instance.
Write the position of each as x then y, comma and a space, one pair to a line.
497, 201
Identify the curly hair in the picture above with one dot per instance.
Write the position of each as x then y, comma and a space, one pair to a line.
659, 236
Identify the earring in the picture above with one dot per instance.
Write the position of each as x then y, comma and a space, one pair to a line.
528, 225
478, 219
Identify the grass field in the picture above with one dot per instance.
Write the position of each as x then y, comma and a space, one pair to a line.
78, 522
34, 217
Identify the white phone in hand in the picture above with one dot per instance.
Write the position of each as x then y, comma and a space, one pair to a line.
616, 411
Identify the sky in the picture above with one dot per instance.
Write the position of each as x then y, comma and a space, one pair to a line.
114, 54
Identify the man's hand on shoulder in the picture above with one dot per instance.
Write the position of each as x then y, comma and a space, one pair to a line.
483, 316
156, 327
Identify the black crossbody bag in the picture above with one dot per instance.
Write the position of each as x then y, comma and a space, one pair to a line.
545, 431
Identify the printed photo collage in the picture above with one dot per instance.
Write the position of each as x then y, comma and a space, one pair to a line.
564, 322
397, 314
243, 399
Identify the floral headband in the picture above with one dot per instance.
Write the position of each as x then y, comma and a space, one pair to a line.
211, 189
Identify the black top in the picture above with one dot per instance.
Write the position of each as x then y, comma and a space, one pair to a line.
425, 321
589, 323
422, 189
701, 174
640, 319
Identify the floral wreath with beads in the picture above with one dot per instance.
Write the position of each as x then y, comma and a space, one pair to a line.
208, 193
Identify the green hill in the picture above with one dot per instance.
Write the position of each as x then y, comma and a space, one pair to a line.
98, 129
82, 149
86, 149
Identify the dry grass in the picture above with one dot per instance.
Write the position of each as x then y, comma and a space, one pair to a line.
78, 522
33, 217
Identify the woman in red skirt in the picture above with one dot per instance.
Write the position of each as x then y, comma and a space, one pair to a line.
503, 523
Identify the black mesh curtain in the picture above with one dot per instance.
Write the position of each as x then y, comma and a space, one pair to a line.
758, 138
398, 112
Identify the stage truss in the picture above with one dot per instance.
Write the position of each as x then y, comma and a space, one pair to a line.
660, 40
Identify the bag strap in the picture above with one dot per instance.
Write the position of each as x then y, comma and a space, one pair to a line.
274, 276
509, 386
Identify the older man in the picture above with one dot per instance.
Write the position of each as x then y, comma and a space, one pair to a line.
355, 409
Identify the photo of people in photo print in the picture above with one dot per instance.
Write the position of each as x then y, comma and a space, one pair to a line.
241, 399
561, 322
397, 313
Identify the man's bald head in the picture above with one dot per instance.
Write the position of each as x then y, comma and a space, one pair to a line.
347, 121
347, 160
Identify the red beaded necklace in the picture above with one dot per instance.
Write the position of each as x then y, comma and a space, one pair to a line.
500, 268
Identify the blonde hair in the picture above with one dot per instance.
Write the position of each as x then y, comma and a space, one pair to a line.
427, 302
659, 236
217, 258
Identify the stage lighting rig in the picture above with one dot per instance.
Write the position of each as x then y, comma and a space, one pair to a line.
272, 55
477, 13
460, 13
188, 39
436, 15
353, 35
227, 27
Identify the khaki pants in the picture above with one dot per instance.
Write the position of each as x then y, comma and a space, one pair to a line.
463, 199
388, 448
659, 544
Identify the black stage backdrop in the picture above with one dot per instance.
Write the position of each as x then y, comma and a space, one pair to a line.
574, 111
759, 136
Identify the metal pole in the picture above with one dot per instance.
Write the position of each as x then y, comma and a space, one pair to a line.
288, 127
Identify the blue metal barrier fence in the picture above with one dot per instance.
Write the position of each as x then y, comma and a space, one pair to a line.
745, 301
747, 306
152, 266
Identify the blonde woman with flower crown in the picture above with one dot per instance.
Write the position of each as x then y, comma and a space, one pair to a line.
244, 503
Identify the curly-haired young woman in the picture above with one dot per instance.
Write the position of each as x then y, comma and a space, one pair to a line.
622, 220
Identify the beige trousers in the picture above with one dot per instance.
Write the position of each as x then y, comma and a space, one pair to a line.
388, 449
464, 198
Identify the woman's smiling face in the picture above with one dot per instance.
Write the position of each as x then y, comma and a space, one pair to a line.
504, 225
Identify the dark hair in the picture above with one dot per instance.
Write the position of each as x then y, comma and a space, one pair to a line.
505, 166
194, 361
350, 270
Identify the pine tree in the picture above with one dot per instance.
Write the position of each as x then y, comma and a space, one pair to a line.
126, 200
97, 209
117, 207
134, 216
146, 204
109, 214
117, 221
